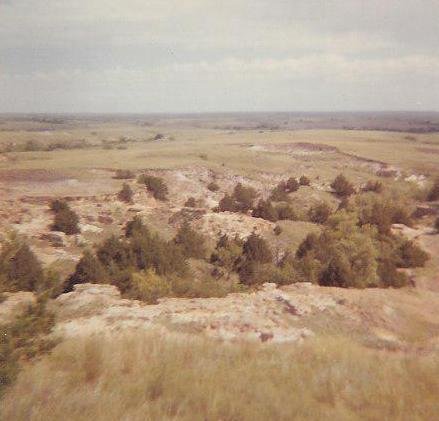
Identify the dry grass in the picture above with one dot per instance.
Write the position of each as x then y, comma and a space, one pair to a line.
149, 377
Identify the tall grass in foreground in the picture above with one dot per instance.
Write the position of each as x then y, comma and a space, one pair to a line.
147, 377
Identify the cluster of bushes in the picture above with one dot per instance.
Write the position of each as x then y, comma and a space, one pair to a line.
349, 253
213, 186
155, 185
34, 146
266, 210
140, 257
252, 259
241, 200
281, 191
433, 194
20, 270
125, 194
65, 219
342, 187
191, 202
23, 339
124, 175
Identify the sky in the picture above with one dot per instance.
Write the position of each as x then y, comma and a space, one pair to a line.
145, 56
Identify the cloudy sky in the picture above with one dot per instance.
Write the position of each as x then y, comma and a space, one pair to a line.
218, 55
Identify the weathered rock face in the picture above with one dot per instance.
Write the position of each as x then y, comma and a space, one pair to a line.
292, 313
266, 315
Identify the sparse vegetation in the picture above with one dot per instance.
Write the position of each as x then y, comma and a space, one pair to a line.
124, 175
213, 186
155, 185
22, 340
342, 187
304, 181
20, 270
319, 213
190, 242
65, 219
433, 194
125, 194
241, 200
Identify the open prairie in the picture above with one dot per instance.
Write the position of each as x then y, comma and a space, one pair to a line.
218, 318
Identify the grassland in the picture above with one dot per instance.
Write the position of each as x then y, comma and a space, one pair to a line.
145, 377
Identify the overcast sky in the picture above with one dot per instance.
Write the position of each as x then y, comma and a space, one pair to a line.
218, 55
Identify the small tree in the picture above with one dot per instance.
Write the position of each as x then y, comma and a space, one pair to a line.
191, 243
374, 186
292, 185
244, 197
286, 213
227, 204
19, 267
149, 287
412, 255
342, 187
58, 205
434, 192
265, 210
256, 249
88, 269
190, 203
213, 186
125, 194
124, 175
66, 220
319, 213
280, 193
304, 181
155, 185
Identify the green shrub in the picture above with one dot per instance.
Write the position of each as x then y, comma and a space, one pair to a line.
114, 254
346, 253
310, 243
155, 185
124, 175
280, 193
190, 242
277, 230
265, 210
286, 213
58, 205
255, 248
412, 255
304, 181
191, 202
244, 197
125, 194
319, 213
342, 187
373, 186
292, 185
213, 186
24, 339
20, 270
88, 269
227, 204
241, 200
227, 254
434, 191
149, 287
65, 220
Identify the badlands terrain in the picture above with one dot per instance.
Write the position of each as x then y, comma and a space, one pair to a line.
228, 337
